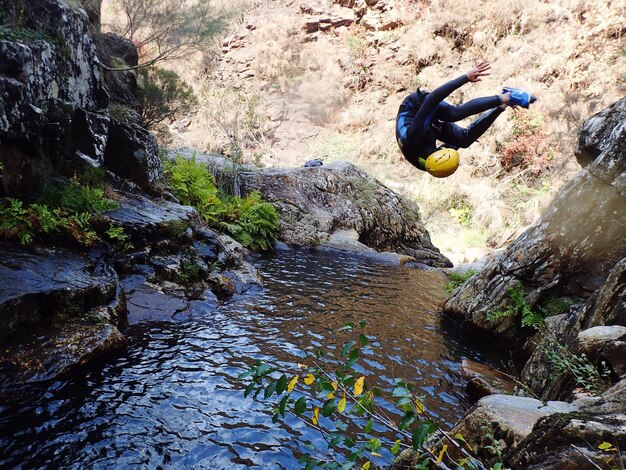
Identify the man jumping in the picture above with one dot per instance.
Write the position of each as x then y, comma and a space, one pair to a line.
424, 118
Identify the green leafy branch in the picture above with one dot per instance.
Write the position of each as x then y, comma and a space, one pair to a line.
331, 396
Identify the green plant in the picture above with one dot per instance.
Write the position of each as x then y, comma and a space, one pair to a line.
459, 209
194, 185
334, 397
64, 208
163, 95
75, 197
250, 220
15, 222
457, 279
357, 45
119, 238
594, 380
517, 306
189, 271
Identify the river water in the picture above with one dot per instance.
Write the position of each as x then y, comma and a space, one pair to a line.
173, 400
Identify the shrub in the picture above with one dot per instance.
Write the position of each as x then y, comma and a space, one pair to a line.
163, 95
529, 147
592, 379
167, 29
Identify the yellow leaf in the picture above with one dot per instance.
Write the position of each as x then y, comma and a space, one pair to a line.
331, 396
443, 451
366, 465
605, 446
341, 405
316, 413
419, 406
334, 384
292, 384
376, 454
358, 386
301, 366
309, 379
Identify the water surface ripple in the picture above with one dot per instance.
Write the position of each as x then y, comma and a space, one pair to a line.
173, 400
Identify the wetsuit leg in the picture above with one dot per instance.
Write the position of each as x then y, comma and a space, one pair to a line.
451, 113
456, 136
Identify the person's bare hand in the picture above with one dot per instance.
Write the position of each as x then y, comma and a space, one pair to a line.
480, 70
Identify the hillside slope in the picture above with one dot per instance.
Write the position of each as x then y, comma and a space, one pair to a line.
324, 79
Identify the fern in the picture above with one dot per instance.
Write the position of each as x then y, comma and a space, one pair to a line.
251, 221
63, 209
517, 306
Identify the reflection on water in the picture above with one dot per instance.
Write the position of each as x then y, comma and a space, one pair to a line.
173, 400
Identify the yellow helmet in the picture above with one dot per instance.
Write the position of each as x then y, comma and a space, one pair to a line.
442, 163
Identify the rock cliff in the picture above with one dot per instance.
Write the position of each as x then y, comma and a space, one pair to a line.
577, 250
55, 112
572, 248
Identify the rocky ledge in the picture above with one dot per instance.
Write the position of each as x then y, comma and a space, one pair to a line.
60, 309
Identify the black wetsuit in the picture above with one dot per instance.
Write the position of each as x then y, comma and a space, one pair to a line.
424, 118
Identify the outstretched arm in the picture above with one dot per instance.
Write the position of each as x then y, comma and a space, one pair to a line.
474, 75
427, 110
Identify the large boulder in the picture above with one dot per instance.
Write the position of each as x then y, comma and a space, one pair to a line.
593, 436
314, 203
572, 247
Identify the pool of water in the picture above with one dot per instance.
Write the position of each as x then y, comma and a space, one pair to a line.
173, 400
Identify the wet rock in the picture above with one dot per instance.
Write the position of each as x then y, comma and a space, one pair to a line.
145, 219
572, 248
47, 354
484, 380
148, 302
41, 284
233, 275
132, 153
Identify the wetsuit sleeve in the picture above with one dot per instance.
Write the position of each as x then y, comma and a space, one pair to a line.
427, 110
442, 92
